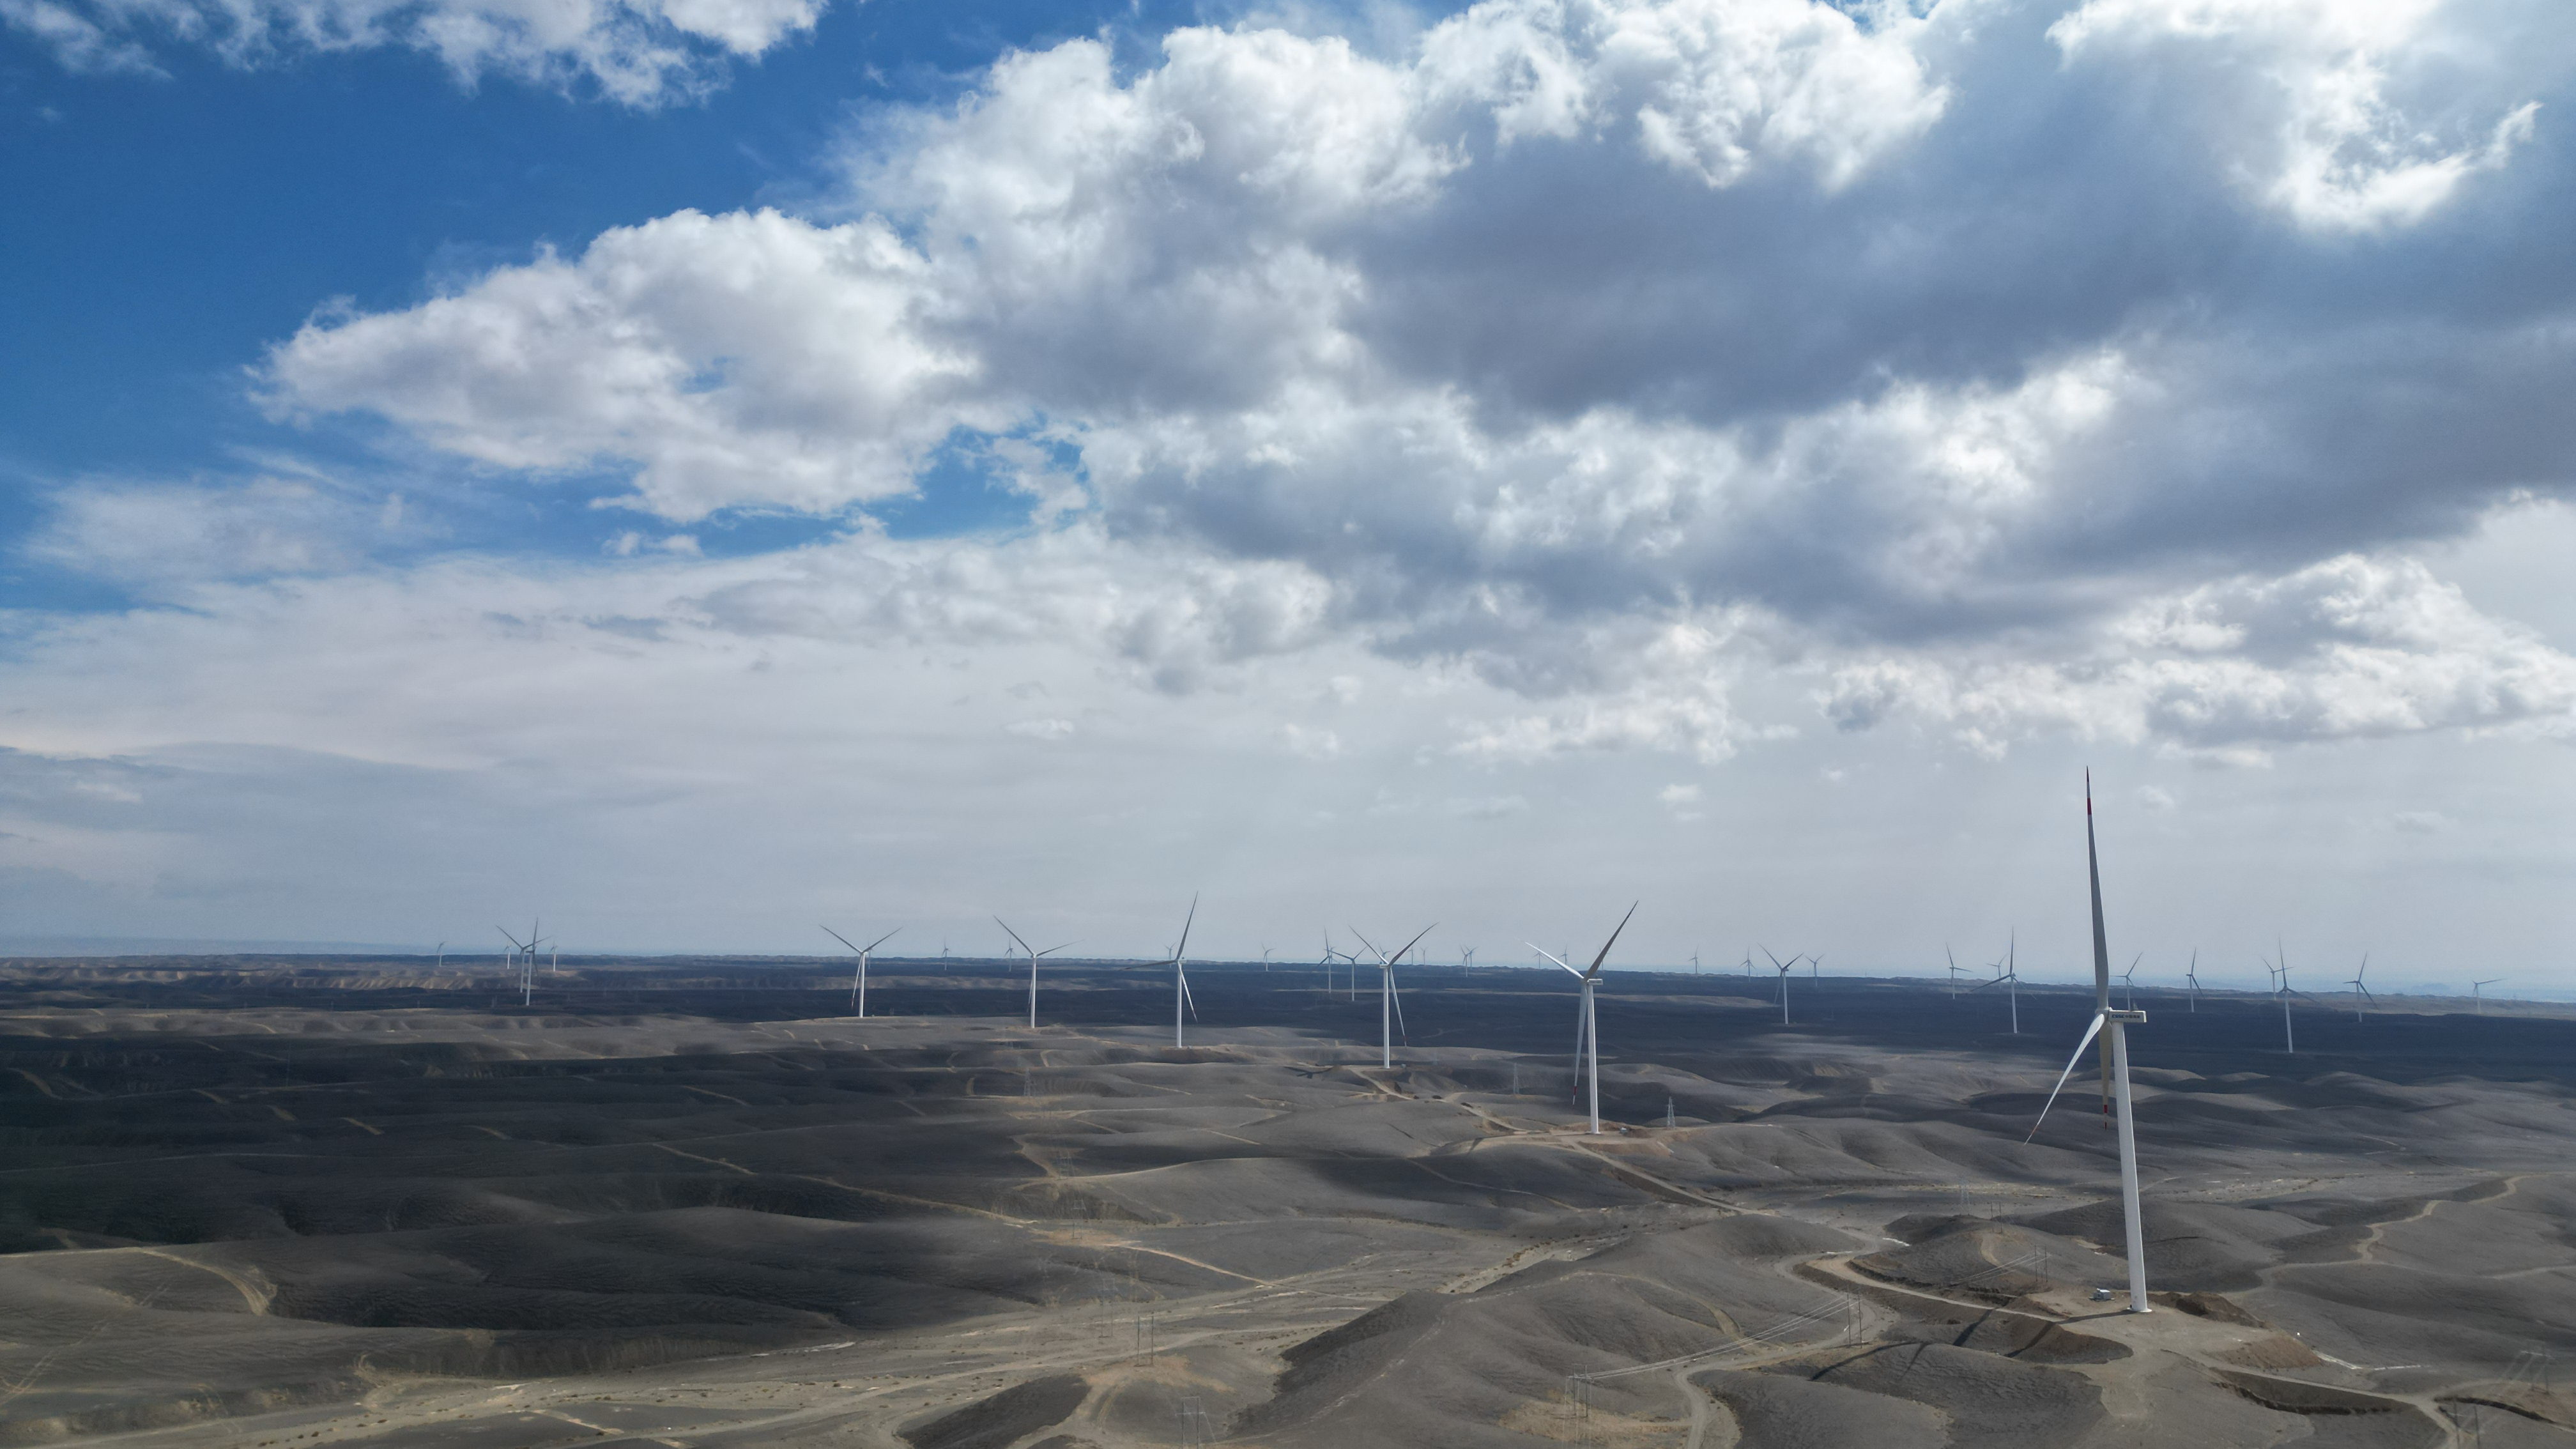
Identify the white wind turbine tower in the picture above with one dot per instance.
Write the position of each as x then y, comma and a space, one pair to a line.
1390, 1009
1587, 1028
1181, 974
2477, 993
2008, 976
1783, 968
859, 979
1033, 966
442, 956
2191, 976
2118, 1022
2361, 993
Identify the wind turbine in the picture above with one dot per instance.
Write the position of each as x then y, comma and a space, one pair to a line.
2192, 976
859, 981
516, 951
442, 956
1694, 963
1587, 1029
1784, 982
2281, 974
1033, 966
2118, 1021
524, 956
2008, 976
2477, 992
1181, 974
2129, 981
2361, 992
1389, 1008
1955, 970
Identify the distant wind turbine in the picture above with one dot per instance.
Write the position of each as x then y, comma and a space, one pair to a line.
2129, 982
859, 979
524, 956
2117, 1021
2008, 976
1033, 966
2477, 993
1587, 1032
2361, 993
1956, 970
2192, 977
1181, 975
1390, 1009
1783, 967
2281, 977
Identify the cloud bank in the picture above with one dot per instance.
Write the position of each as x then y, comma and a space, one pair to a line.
1932, 353
637, 52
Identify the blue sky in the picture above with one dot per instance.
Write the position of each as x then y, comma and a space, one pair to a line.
690, 468
189, 221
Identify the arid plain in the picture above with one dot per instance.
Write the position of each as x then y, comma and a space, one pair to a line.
287, 1203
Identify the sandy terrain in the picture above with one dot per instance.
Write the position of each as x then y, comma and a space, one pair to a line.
363, 1204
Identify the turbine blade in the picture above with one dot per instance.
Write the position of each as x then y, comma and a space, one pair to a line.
1578, 1046
1014, 935
2093, 873
1417, 939
2089, 1033
837, 936
1185, 996
1614, 939
881, 940
1183, 949
1365, 941
1561, 966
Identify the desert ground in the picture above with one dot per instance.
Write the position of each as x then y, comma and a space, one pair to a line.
283, 1202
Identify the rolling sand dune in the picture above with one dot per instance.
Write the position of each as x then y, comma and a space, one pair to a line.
268, 1203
